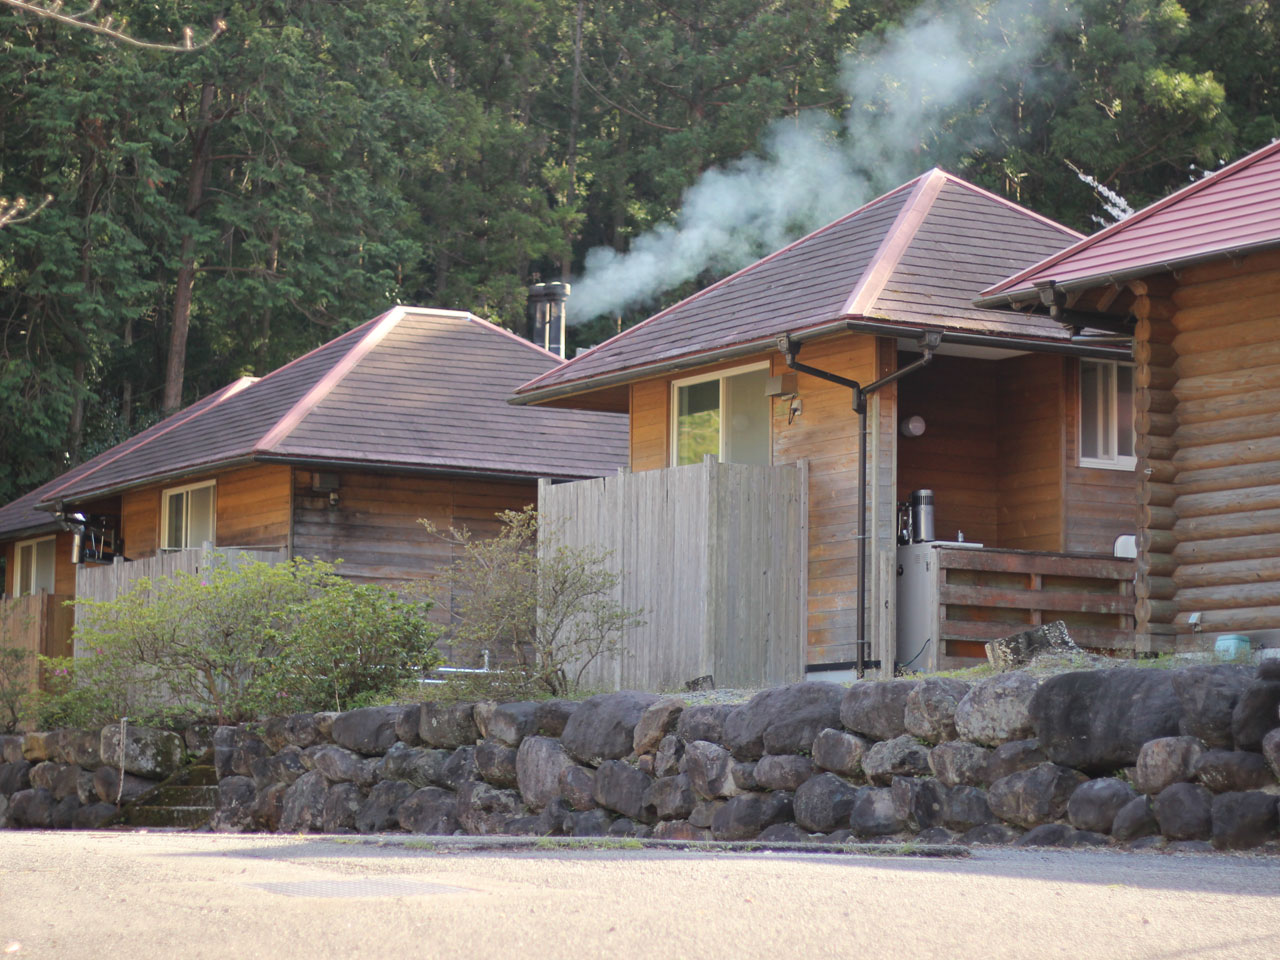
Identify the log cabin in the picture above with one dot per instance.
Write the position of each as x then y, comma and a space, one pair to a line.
869, 322
1193, 281
335, 455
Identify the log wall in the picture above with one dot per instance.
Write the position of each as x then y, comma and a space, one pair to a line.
1213, 510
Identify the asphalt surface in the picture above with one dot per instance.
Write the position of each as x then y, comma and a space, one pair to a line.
103, 895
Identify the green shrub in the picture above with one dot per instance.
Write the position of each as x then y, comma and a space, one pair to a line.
543, 609
220, 646
348, 646
15, 693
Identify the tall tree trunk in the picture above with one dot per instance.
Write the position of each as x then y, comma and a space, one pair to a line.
126, 385
180, 323
575, 107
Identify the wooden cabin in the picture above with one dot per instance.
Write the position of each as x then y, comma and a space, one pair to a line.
336, 455
1012, 463
1193, 280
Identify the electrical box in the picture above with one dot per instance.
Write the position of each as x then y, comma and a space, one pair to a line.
783, 385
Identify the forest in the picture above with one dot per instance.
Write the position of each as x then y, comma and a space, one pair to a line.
216, 212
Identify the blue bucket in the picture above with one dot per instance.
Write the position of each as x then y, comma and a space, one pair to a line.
1231, 646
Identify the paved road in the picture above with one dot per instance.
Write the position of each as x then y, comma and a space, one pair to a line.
104, 895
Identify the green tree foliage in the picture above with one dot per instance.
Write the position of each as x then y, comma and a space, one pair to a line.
217, 212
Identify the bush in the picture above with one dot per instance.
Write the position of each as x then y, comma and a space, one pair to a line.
15, 693
545, 610
349, 646
220, 646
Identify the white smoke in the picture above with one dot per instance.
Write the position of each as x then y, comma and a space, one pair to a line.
923, 80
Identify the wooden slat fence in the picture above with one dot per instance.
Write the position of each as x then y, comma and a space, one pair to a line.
108, 581
985, 594
40, 624
712, 554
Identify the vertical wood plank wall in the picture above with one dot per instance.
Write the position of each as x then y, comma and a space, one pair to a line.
1226, 446
9, 549
1031, 433
958, 456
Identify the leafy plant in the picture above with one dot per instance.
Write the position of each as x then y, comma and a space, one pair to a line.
15, 680
234, 642
349, 645
546, 610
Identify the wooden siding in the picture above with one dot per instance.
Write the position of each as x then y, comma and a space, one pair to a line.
64, 571
1031, 439
825, 433
1099, 504
9, 550
650, 424
374, 528
1225, 450
253, 506
958, 456
711, 554
252, 509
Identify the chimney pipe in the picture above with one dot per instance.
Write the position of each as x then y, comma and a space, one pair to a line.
547, 300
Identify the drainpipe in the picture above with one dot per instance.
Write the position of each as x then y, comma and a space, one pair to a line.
789, 349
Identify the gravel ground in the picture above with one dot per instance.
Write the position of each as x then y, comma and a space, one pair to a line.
103, 895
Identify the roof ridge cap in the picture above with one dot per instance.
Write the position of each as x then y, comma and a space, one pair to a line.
895, 242
380, 327
226, 393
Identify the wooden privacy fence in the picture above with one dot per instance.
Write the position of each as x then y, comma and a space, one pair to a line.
985, 594
713, 554
38, 623
108, 581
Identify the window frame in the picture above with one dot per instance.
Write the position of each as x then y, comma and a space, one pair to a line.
166, 496
1116, 461
673, 447
33, 543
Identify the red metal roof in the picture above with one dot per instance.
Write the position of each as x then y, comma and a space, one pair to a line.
914, 257
412, 389
1227, 213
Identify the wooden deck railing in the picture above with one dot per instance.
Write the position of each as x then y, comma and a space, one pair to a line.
990, 593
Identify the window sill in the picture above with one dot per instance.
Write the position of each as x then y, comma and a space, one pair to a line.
1124, 463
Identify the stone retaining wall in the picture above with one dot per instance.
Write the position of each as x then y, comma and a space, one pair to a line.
1146, 758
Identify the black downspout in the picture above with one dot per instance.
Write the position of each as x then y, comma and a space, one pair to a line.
789, 349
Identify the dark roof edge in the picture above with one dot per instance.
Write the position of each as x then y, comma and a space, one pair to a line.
380, 466
48, 503
1026, 294
880, 328
21, 533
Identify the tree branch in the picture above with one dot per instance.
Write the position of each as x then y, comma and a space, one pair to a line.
52, 10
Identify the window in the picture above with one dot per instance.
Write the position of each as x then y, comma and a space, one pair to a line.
186, 516
33, 568
726, 414
1106, 415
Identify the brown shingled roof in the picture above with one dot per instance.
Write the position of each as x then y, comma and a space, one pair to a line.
915, 257
414, 389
